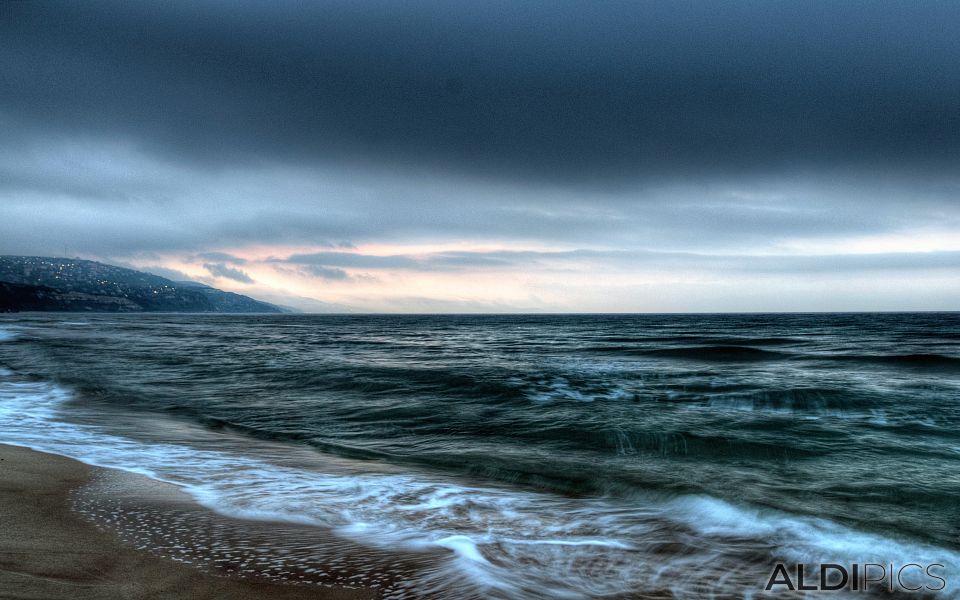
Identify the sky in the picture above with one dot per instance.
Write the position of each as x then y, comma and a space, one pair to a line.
562, 156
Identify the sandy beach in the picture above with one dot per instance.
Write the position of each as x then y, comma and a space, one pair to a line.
48, 551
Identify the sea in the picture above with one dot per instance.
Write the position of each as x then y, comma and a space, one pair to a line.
530, 456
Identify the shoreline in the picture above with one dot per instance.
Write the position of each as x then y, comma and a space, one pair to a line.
50, 550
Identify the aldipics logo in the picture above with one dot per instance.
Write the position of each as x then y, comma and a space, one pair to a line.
859, 577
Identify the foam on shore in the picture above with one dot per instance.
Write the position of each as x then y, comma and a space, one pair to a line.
507, 542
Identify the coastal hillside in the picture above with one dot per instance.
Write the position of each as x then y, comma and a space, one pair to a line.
37, 283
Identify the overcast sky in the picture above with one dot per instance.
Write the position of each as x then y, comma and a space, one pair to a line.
494, 156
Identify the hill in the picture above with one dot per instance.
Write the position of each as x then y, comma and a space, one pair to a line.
65, 284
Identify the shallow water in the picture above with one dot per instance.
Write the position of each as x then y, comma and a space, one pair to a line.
569, 456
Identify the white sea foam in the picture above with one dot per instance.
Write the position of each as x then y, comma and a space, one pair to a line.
506, 542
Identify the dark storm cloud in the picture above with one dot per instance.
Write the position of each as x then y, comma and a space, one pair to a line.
319, 263
353, 260
437, 261
325, 272
222, 270
564, 91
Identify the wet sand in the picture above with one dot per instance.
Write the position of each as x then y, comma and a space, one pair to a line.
50, 551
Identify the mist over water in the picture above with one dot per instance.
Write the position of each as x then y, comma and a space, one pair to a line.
582, 455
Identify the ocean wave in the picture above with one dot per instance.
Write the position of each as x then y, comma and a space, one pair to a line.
916, 360
794, 400
505, 542
718, 353
736, 350
703, 339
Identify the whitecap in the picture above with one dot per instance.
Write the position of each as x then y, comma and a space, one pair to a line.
506, 542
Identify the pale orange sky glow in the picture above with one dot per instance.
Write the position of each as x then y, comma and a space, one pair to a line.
491, 277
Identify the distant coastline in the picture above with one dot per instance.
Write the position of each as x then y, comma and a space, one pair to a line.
52, 284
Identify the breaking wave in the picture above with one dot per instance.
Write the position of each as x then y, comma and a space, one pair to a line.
502, 541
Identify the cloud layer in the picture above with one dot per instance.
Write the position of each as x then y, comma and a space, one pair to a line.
386, 155
568, 91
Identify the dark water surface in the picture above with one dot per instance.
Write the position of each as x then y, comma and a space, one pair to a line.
552, 455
